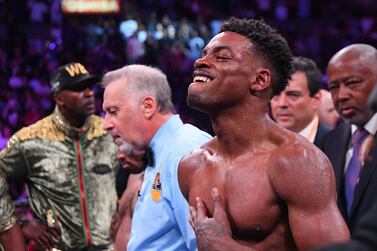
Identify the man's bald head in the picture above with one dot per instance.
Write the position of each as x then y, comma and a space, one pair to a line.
361, 52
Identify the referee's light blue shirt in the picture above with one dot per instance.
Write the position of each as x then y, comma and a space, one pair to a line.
163, 225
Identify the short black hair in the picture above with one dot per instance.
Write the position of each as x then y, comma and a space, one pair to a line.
268, 44
310, 69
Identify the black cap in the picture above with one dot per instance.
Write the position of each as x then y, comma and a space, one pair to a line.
72, 76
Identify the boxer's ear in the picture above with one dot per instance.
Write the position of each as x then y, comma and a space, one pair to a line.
262, 79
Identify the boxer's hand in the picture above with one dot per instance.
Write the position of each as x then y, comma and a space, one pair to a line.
209, 230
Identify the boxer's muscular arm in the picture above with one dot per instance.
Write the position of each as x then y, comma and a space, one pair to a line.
186, 168
303, 178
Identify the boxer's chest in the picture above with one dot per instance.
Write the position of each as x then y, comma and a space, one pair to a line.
247, 195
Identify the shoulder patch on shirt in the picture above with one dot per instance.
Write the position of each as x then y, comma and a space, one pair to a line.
156, 188
96, 128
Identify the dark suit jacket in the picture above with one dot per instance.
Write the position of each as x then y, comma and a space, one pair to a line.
364, 237
320, 136
335, 147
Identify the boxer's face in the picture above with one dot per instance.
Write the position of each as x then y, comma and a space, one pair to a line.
223, 74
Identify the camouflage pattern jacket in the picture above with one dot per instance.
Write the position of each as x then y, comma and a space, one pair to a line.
7, 212
69, 171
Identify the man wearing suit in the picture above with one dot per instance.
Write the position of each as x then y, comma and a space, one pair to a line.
296, 107
364, 236
352, 76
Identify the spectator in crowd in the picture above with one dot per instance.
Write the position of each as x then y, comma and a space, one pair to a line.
327, 113
69, 164
364, 234
352, 77
296, 107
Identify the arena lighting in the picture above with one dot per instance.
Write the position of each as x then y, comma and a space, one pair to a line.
90, 6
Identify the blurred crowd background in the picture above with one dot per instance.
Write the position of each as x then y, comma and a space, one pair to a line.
36, 37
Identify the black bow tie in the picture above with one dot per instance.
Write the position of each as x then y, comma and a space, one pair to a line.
148, 158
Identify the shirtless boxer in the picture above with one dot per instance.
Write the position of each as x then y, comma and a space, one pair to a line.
255, 186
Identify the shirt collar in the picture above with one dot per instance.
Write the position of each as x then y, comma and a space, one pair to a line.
164, 133
63, 125
310, 130
370, 126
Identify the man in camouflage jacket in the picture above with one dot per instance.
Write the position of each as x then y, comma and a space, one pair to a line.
69, 163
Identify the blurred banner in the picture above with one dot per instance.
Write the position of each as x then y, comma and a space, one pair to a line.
90, 6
